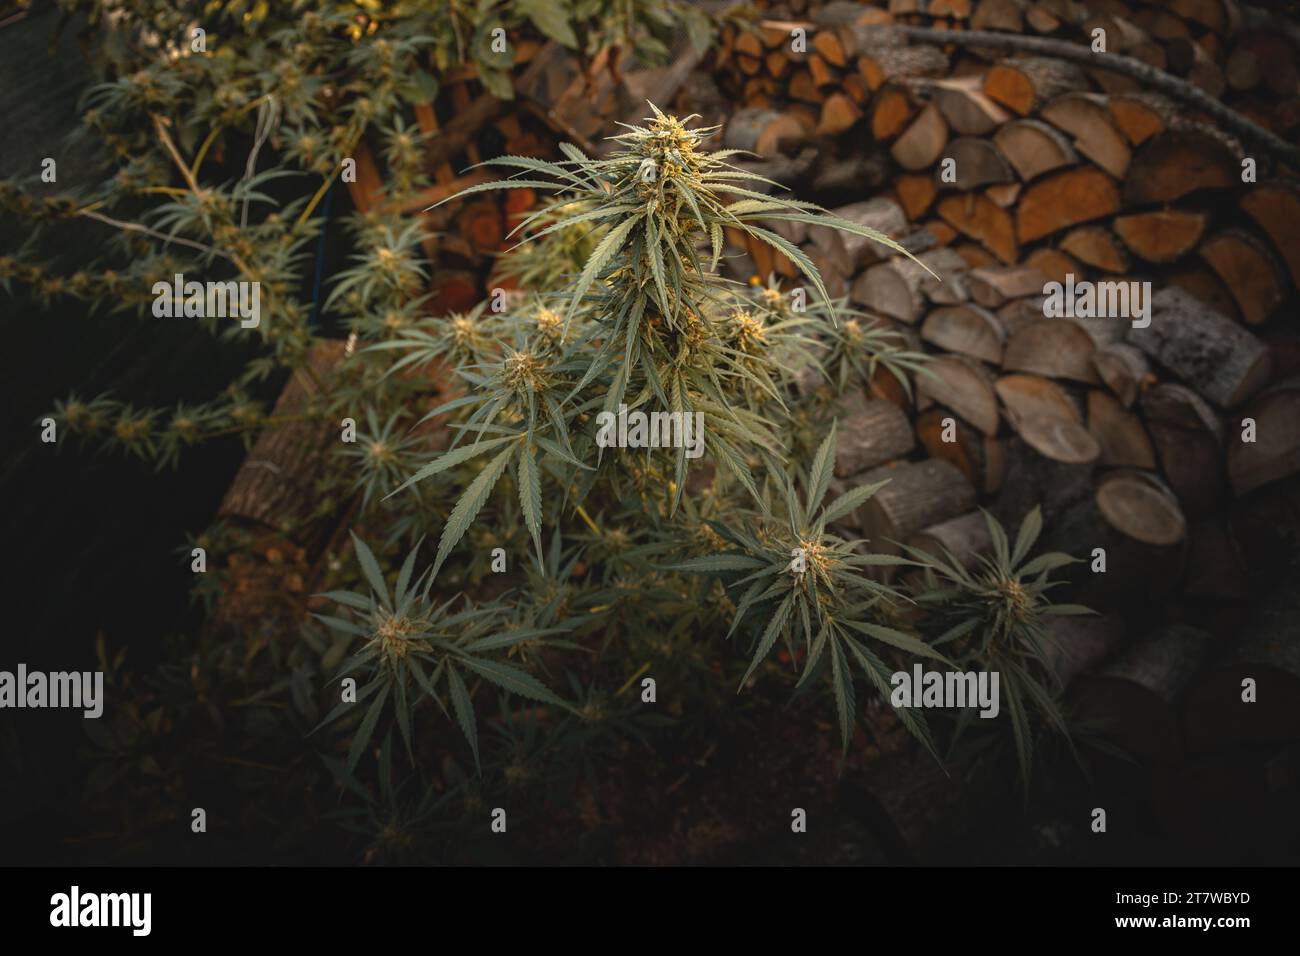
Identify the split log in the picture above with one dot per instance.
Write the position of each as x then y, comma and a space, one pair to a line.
965, 387
820, 71
992, 286
801, 87
923, 142
1122, 35
1113, 63
963, 104
1025, 84
1054, 348
1275, 207
977, 163
1096, 246
983, 220
1034, 148
1058, 440
915, 192
839, 113
1134, 701
762, 131
918, 494
830, 47
1249, 270
1065, 199
1004, 195
1188, 438
966, 329
1139, 116
870, 433
999, 15
1162, 236
1224, 362
1032, 396
1182, 161
897, 287
1087, 117
1124, 370
1119, 433
1053, 264
1275, 452
977, 456
893, 110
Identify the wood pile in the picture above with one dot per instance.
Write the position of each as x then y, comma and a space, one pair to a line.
1006, 172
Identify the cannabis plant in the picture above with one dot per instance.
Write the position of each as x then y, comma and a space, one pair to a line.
995, 616
647, 321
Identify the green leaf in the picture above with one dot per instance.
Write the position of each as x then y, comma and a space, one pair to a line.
770, 634
530, 497
449, 459
367, 728
850, 501
470, 504
513, 679
822, 469
1030, 528
370, 568
719, 562
1046, 562
842, 684
549, 17
599, 258
904, 642
464, 708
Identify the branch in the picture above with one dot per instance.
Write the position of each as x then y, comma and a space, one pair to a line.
136, 227
1128, 66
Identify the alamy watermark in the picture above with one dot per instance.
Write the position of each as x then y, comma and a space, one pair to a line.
103, 909
946, 689
638, 429
1098, 300
218, 300
78, 690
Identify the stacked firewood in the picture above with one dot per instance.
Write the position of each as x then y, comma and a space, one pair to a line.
1004, 173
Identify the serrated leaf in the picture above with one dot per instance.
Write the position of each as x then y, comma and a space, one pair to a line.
470, 504
450, 459
719, 562
370, 568
367, 728
530, 497
511, 678
464, 709
1030, 528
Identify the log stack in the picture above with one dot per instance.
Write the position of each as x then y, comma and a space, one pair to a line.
1010, 170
